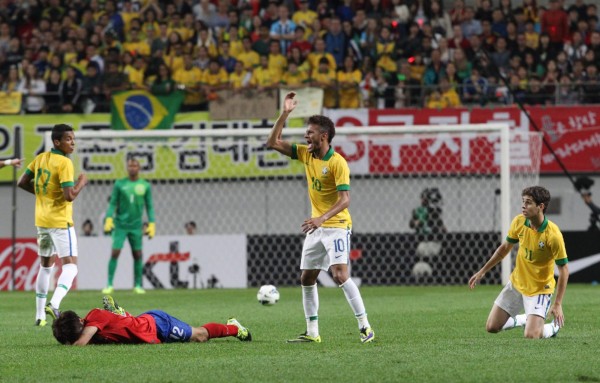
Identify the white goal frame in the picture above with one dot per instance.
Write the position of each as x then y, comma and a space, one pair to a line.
502, 129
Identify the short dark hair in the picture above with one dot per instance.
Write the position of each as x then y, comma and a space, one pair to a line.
191, 223
325, 125
539, 195
67, 328
58, 130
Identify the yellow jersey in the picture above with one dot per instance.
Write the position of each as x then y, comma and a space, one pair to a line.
314, 58
136, 76
214, 79
264, 77
325, 178
349, 96
294, 79
239, 80
189, 78
538, 251
250, 59
140, 47
51, 171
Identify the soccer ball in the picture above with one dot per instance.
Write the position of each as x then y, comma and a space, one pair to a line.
267, 295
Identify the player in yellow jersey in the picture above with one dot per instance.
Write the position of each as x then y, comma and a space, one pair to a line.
50, 176
532, 283
327, 242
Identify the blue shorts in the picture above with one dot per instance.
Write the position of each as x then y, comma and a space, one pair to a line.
170, 329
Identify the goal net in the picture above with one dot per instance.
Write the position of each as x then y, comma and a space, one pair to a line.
429, 204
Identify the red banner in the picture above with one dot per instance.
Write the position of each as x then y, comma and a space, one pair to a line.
27, 265
573, 133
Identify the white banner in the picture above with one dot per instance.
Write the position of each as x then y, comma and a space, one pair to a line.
310, 101
168, 262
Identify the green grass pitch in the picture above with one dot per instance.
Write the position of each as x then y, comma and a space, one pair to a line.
423, 334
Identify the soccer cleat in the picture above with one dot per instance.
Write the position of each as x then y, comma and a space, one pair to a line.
367, 334
108, 290
304, 338
139, 290
52, 312
112, 306
243, 333
40, 323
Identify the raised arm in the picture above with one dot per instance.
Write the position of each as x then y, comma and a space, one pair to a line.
274, 141
499, 254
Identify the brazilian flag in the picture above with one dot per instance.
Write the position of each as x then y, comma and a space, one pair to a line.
141, 110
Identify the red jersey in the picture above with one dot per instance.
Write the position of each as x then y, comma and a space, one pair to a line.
113, 328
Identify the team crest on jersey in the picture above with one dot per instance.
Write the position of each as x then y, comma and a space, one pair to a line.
140, 189
541, 245
325, 171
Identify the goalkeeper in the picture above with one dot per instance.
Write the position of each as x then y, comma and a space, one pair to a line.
124, 220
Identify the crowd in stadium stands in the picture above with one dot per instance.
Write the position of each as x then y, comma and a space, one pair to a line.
70, 55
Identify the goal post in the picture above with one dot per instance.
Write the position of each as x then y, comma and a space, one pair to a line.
227, 181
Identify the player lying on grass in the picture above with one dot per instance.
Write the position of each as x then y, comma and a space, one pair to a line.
115, 325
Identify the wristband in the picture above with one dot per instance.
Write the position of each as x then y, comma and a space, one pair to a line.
7, 162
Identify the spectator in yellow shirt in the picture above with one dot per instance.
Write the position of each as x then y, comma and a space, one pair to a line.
277, 61
450, 97
305, 17
348, 80
248, 56
215, 78
294, 78
325, 78
135, 45
240, 78
136, 73
189, 78
263, 77
319, 53
435, 100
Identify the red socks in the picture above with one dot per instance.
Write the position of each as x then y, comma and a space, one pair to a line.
218, 330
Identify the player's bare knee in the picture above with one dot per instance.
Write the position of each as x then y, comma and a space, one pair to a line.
492, 328
532, 334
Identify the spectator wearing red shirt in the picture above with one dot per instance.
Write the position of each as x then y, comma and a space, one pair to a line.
103, 326
555, 23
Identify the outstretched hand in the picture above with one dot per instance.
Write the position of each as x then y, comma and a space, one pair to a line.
474, 280
557, 312
289, 103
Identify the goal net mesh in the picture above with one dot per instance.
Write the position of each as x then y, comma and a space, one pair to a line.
425, 206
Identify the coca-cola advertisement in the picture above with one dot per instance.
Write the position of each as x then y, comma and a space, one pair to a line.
27, 265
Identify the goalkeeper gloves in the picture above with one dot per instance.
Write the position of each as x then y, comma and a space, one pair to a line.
109, 225
151, 230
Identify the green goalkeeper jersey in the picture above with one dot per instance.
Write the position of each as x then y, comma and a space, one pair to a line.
127, 203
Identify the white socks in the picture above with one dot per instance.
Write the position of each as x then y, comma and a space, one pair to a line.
355, 300
65, 281
550, 329
517, 321
310, 301
41, 291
